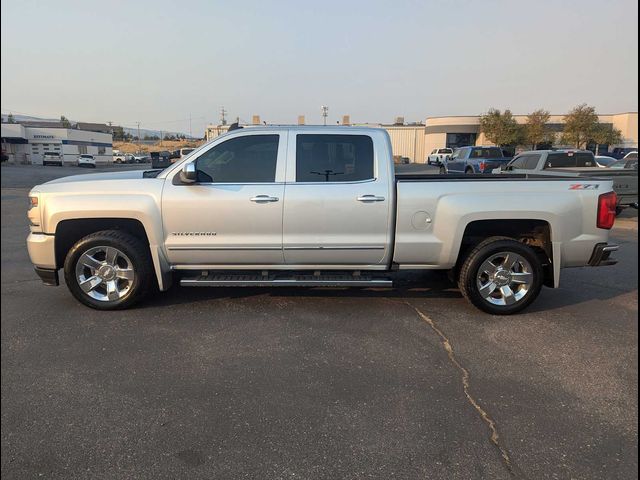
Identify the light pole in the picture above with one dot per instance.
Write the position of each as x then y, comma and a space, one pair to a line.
325, 113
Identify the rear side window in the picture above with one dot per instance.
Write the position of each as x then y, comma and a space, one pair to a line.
248, 159
569, 160
445, 150
334, 158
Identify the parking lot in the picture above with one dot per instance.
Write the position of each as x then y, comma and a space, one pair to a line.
410, 382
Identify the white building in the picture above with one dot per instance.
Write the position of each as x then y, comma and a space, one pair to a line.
26, 143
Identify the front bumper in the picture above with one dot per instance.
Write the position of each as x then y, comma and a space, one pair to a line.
42, 250
601, 254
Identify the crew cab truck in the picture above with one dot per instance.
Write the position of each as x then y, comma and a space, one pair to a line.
439, 156
312, 206
476, 160
576, 163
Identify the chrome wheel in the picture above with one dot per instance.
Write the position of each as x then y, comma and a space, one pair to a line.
105, 273
505, 278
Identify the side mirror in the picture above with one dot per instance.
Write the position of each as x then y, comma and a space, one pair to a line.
188, 174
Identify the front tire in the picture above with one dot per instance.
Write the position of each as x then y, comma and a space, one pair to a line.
501, 276
109, 270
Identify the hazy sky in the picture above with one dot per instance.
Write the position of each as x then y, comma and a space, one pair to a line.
158, 62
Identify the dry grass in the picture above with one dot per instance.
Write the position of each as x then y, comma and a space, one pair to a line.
132, 147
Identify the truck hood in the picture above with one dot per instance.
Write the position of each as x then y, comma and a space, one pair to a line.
92, 177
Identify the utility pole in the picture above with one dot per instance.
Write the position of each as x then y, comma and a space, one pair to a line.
223, 116
325, 113
138, 137
190, 136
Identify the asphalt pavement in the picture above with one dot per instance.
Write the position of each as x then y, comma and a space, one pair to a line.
311, 383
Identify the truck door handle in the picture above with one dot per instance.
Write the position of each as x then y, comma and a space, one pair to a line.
370, 198
263, 199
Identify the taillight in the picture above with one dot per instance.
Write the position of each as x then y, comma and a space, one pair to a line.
607, 210
482, 165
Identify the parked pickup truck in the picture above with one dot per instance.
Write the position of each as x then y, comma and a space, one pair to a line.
312, 206
439, 156
577, 163
123, 158
476, 160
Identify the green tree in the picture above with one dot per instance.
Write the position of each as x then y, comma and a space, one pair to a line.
580, 125
10, 118
536, 130
118, 133
606, 134
65, 122
501, 128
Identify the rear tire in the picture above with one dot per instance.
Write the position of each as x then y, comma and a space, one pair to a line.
109, 270
501, 276
468, 171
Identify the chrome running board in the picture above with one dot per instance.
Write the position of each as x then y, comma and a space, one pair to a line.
205, 279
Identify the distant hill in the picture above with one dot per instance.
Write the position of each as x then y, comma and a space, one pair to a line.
132, 131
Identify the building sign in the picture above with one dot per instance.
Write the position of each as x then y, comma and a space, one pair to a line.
43, 136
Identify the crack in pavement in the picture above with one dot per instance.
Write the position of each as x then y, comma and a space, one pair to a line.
466, 386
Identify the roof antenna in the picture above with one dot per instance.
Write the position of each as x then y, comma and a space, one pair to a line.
234, 126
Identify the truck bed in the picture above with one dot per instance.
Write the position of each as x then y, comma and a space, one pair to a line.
422, 177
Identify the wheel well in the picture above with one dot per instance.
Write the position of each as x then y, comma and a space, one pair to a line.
68, 232
535, 233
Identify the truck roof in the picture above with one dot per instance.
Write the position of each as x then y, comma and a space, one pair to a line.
559, 150
327, 128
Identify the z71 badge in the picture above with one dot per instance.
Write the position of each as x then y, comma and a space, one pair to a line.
584, 186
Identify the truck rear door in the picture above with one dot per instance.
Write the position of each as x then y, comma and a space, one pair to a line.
338, 200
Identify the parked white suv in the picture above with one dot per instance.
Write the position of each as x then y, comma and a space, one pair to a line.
439, 156
86, 160
52, 158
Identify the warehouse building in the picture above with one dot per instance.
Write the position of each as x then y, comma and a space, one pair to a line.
461, 131
26, 142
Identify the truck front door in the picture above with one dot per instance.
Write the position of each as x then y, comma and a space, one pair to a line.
338, 201
232, 215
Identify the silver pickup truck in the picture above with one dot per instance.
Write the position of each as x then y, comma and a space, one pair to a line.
312, 206
576, 163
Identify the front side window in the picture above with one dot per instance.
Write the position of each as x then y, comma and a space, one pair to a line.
247, 159
525, 162
458, 153
519, 162
532, 161
334, 158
